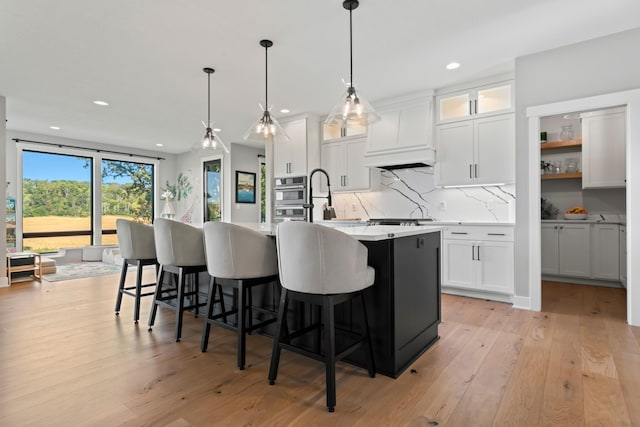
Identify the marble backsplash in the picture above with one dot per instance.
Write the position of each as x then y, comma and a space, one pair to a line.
411, 193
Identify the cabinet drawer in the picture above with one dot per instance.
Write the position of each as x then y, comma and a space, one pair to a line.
479, 233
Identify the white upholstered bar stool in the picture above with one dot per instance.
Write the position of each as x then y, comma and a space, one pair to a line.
240, 258
180, 252
326, 267
137, 247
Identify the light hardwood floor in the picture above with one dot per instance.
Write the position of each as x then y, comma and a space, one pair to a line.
67, 360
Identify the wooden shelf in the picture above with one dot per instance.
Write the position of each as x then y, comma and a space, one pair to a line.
24, 261
574, 175
561, 144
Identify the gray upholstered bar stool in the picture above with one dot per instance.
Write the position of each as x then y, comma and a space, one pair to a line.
240, 258
325, 267
137, 247
180, 251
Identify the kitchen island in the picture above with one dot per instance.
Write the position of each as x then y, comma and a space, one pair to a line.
403, 305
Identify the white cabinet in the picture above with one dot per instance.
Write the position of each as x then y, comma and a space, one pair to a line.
623, 255
291, 158
403, 135
495, 98
335, 132
603, 149
478, 259
605, 248
477, 151
344, 162
566, 249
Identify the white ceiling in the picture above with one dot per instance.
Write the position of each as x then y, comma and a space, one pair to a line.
145, 57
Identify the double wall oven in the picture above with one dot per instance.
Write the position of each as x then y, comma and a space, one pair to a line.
290, 196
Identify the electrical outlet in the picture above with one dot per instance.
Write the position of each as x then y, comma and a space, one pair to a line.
442, 205
353, 207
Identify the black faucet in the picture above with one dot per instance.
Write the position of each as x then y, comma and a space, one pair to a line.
310, 204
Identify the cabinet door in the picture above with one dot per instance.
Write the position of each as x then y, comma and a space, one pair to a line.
333, 161
494, 99
605, 247
414, 126
455, 153
383, 135
281, 158
454, 106
603, 151
297, 132
495, 150
458, 263
574, 250
495, 266
549, 247
357, 176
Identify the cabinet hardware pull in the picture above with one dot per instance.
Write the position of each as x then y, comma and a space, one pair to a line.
459, 232
555, 227
475, 104
561, 227
470, 111
470, 171
345, 180
473, 253
478, 257
495, 234
476, 169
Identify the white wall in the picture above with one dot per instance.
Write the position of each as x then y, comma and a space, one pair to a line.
590, 68
3, 188
244, 159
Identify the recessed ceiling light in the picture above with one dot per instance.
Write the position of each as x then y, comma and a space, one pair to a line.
217, 130
54, 127
452, 65
102, 103
285, 110
159, 145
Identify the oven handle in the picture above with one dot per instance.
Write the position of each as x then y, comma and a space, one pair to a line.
290, 187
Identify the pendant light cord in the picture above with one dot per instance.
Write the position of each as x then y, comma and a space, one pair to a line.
266, 79
351, 47
208, 100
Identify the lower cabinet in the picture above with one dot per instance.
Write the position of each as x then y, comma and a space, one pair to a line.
586, 251
478, 258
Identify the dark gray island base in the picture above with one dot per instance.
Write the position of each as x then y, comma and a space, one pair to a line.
403, 305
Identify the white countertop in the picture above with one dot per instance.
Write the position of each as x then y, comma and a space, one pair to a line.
360, 232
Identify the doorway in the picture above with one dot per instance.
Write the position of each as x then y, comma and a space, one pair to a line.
532, 241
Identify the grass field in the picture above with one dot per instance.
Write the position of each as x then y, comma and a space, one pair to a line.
62, 223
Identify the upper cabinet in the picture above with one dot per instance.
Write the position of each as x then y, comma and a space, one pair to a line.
603, 149
487, 100
337, 133
344, 162
299, 155
404, 134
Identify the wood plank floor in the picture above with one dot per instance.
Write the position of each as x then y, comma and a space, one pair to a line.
67, 360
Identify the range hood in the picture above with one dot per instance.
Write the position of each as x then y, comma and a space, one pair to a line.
407, 158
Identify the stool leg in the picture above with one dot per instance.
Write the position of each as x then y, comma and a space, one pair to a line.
222, 307
136, 308
196, 289
207, 326
372, 364
180, 303
242, 337
329, 350
156, 296
279, 335
123, 276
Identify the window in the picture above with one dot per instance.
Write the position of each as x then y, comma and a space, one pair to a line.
72, 200
212, 185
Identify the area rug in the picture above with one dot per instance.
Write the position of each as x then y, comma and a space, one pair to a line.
79, 270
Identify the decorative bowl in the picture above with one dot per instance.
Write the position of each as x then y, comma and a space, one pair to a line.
575, 216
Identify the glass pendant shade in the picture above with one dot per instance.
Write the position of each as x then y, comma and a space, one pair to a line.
266, 127
352, 109
210, 141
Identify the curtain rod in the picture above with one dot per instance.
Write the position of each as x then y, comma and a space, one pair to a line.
97, 150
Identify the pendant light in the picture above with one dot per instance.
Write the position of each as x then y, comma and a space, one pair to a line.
352, 109
211, 140
266, 127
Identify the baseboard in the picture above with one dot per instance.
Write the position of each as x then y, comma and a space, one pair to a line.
493, 296
4, 282
523, 303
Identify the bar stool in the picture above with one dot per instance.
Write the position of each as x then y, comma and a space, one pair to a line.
240, 258
325, 267
137, 247
180, 251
